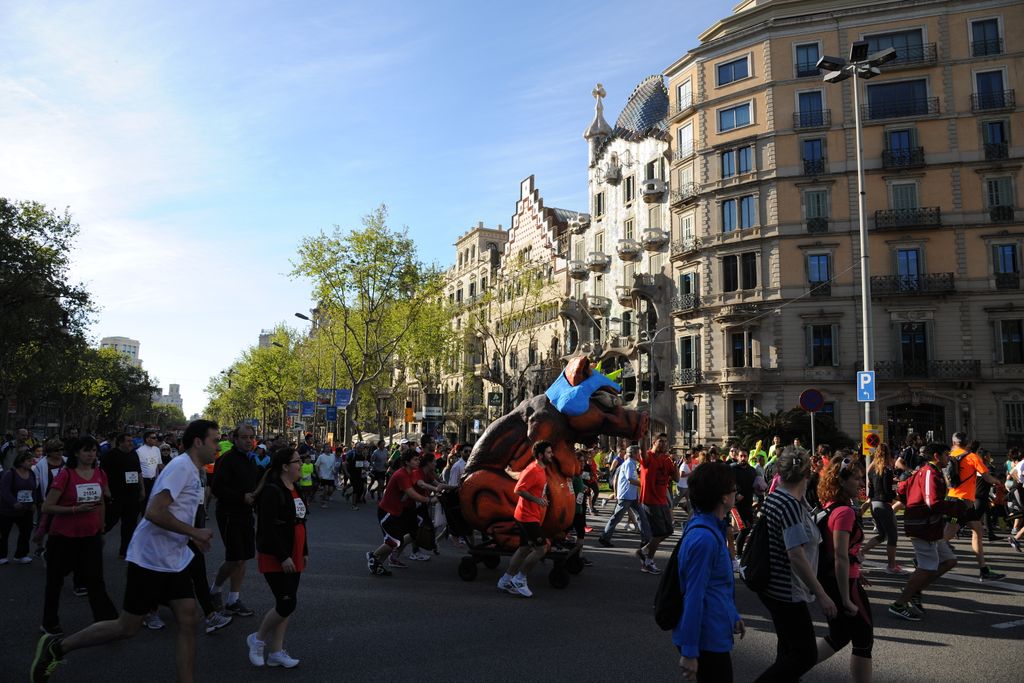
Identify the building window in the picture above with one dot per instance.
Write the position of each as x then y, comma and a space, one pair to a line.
652, 170
1006, 266
748, 270
738, 213
739, 409
737, 161
816, 210
1011, 341
813, 156
599, 204
994, 136
819, 269
999, 198
902, 98
734, 117
627, 229
458, 296
730, 273
914, 349
807, 60
908, 269
684, 95
811, 109
904, 195
909, 45
821, 343
628, 189
732, 71
829, 408
472, 290
627, 323
741, 350
1014, 417
684, 141
689, 352
990, 93
985, 38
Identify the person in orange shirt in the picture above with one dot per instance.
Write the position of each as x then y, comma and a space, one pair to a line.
530, 509
971, 467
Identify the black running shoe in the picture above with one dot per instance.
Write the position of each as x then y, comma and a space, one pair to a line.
237, 609
48, 656
987, 574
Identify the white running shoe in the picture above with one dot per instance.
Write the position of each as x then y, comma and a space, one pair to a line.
282, 658
521, 587
154, 623
419, 556
23, 560
505, 584
736, 565
256, 647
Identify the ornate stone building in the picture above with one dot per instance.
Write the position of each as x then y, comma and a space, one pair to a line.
765, 227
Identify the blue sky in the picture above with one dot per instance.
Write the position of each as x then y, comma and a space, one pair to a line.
197, 143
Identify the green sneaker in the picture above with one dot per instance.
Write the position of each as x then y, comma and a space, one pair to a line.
48, 656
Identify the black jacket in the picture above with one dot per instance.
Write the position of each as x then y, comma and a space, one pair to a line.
276, 521
115, 463
234, 475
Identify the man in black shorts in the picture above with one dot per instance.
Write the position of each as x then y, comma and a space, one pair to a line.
157, 562
235, 477
531, 506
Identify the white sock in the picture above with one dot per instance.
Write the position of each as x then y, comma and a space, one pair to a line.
507, 577
520, 577
232, 598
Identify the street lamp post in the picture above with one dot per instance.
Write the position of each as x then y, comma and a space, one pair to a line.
688, 407
860, 65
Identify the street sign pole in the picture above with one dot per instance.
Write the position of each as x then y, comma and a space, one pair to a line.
813, 443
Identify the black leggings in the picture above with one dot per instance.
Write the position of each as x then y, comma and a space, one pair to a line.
714, 667
885, 522
285, 588
85, 557
844, 629
797, 650
24, 523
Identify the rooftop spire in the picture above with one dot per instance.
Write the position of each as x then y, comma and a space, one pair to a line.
599, 127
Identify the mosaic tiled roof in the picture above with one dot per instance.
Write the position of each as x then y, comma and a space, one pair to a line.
646, 112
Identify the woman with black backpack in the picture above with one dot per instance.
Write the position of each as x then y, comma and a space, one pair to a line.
839, 568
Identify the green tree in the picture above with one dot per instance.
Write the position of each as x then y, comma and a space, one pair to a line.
372, 293
789, 425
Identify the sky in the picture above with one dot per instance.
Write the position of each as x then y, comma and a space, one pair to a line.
197, 143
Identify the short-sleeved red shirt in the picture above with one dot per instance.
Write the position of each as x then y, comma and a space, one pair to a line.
395, 501
532, 480
656, 472
74, 490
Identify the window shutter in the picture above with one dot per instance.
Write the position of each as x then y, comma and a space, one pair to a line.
997, 346
835, 346
696, 352
809, 345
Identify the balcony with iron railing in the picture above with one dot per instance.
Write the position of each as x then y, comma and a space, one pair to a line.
598, 304
922, 283
578, 270
817, 224
914, 55
814, 118
911, 157
685, 247
1007, 280
1000, 214
920, 217
989, 46
686, 192
598, 261
806, 69
682, 105
685, 303
684, 152
997, 150
993, 101
923, 106
820, 288
624, 294
686, 376
929, 369
814, 166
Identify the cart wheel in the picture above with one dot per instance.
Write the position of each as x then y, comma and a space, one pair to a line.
574, 564
467, 569
558, 577
491, 561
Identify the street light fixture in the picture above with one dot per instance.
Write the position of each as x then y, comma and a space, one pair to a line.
860, 65
688, 407
302, 316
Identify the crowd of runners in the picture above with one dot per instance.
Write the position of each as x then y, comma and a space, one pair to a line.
795, 525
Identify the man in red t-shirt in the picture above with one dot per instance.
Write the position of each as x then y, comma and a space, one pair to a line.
530, 509
396, 511
657, 472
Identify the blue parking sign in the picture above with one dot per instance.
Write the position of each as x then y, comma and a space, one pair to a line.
866, 386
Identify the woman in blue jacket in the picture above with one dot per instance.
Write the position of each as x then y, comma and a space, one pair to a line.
704, 634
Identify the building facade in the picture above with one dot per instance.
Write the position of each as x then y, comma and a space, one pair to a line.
171, 398
129, 348
765, 246
621, 283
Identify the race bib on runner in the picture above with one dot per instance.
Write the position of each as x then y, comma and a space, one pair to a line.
300, 508
580, 497
89, 493
360, 463
131, 477
25, 496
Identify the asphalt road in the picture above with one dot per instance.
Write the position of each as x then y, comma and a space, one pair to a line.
425, 624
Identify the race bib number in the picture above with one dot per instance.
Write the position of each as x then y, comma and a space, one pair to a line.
89, 493
580, 498
25, 496
300, 509
360, 463
131, 477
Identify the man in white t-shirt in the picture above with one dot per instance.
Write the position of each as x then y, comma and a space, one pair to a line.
158, 559
149, 459
628, 498
326, 466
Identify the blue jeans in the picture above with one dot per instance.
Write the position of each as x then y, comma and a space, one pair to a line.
620, 509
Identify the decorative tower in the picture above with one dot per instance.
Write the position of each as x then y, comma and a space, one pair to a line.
599, 131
